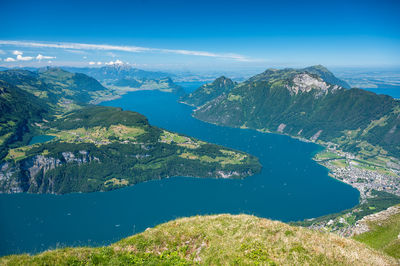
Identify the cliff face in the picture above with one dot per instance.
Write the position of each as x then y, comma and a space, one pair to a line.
29, 175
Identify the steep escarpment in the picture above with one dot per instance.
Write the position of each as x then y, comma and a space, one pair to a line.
216, 240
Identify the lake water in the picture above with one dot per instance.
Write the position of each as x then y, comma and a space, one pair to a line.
40, 139
393, 91
290, 187
190, 86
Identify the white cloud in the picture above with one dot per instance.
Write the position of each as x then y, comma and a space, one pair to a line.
16, 52
40, 57
99, 63
9, 59
75, 51
92, 63
116, 62
111, 54
24, 58
133, 49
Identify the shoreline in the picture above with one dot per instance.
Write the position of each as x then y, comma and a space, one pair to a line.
361, 179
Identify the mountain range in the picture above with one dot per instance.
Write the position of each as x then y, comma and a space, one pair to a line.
125, 77
309, 103
118, 71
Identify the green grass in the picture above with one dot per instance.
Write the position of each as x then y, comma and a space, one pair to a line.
380, 122
326, 155
183, 141
217, 240
232, 97
5, 137
339, 163
98, 134
227, 157
19, 153
383, 236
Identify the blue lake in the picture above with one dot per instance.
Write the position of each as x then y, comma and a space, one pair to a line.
40, 139
393, 91
290, 187
190, 86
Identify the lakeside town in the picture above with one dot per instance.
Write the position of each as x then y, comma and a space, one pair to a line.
350, 169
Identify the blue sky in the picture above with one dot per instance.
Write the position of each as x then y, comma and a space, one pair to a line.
192, 35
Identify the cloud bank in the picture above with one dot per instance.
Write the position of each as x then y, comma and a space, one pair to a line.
132, 49
19, 57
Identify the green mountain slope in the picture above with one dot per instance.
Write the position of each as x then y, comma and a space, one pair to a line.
381, 231
60, 88
302, 104
207, 92
19, 110
218, 240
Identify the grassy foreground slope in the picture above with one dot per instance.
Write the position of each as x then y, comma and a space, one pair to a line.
218, 239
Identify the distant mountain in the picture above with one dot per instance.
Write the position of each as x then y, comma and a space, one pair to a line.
289, 73
163, 84
122, 75
301, 103
55, 84
207, 92
118, 71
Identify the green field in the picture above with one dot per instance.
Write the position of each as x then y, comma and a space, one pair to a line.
384, 236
